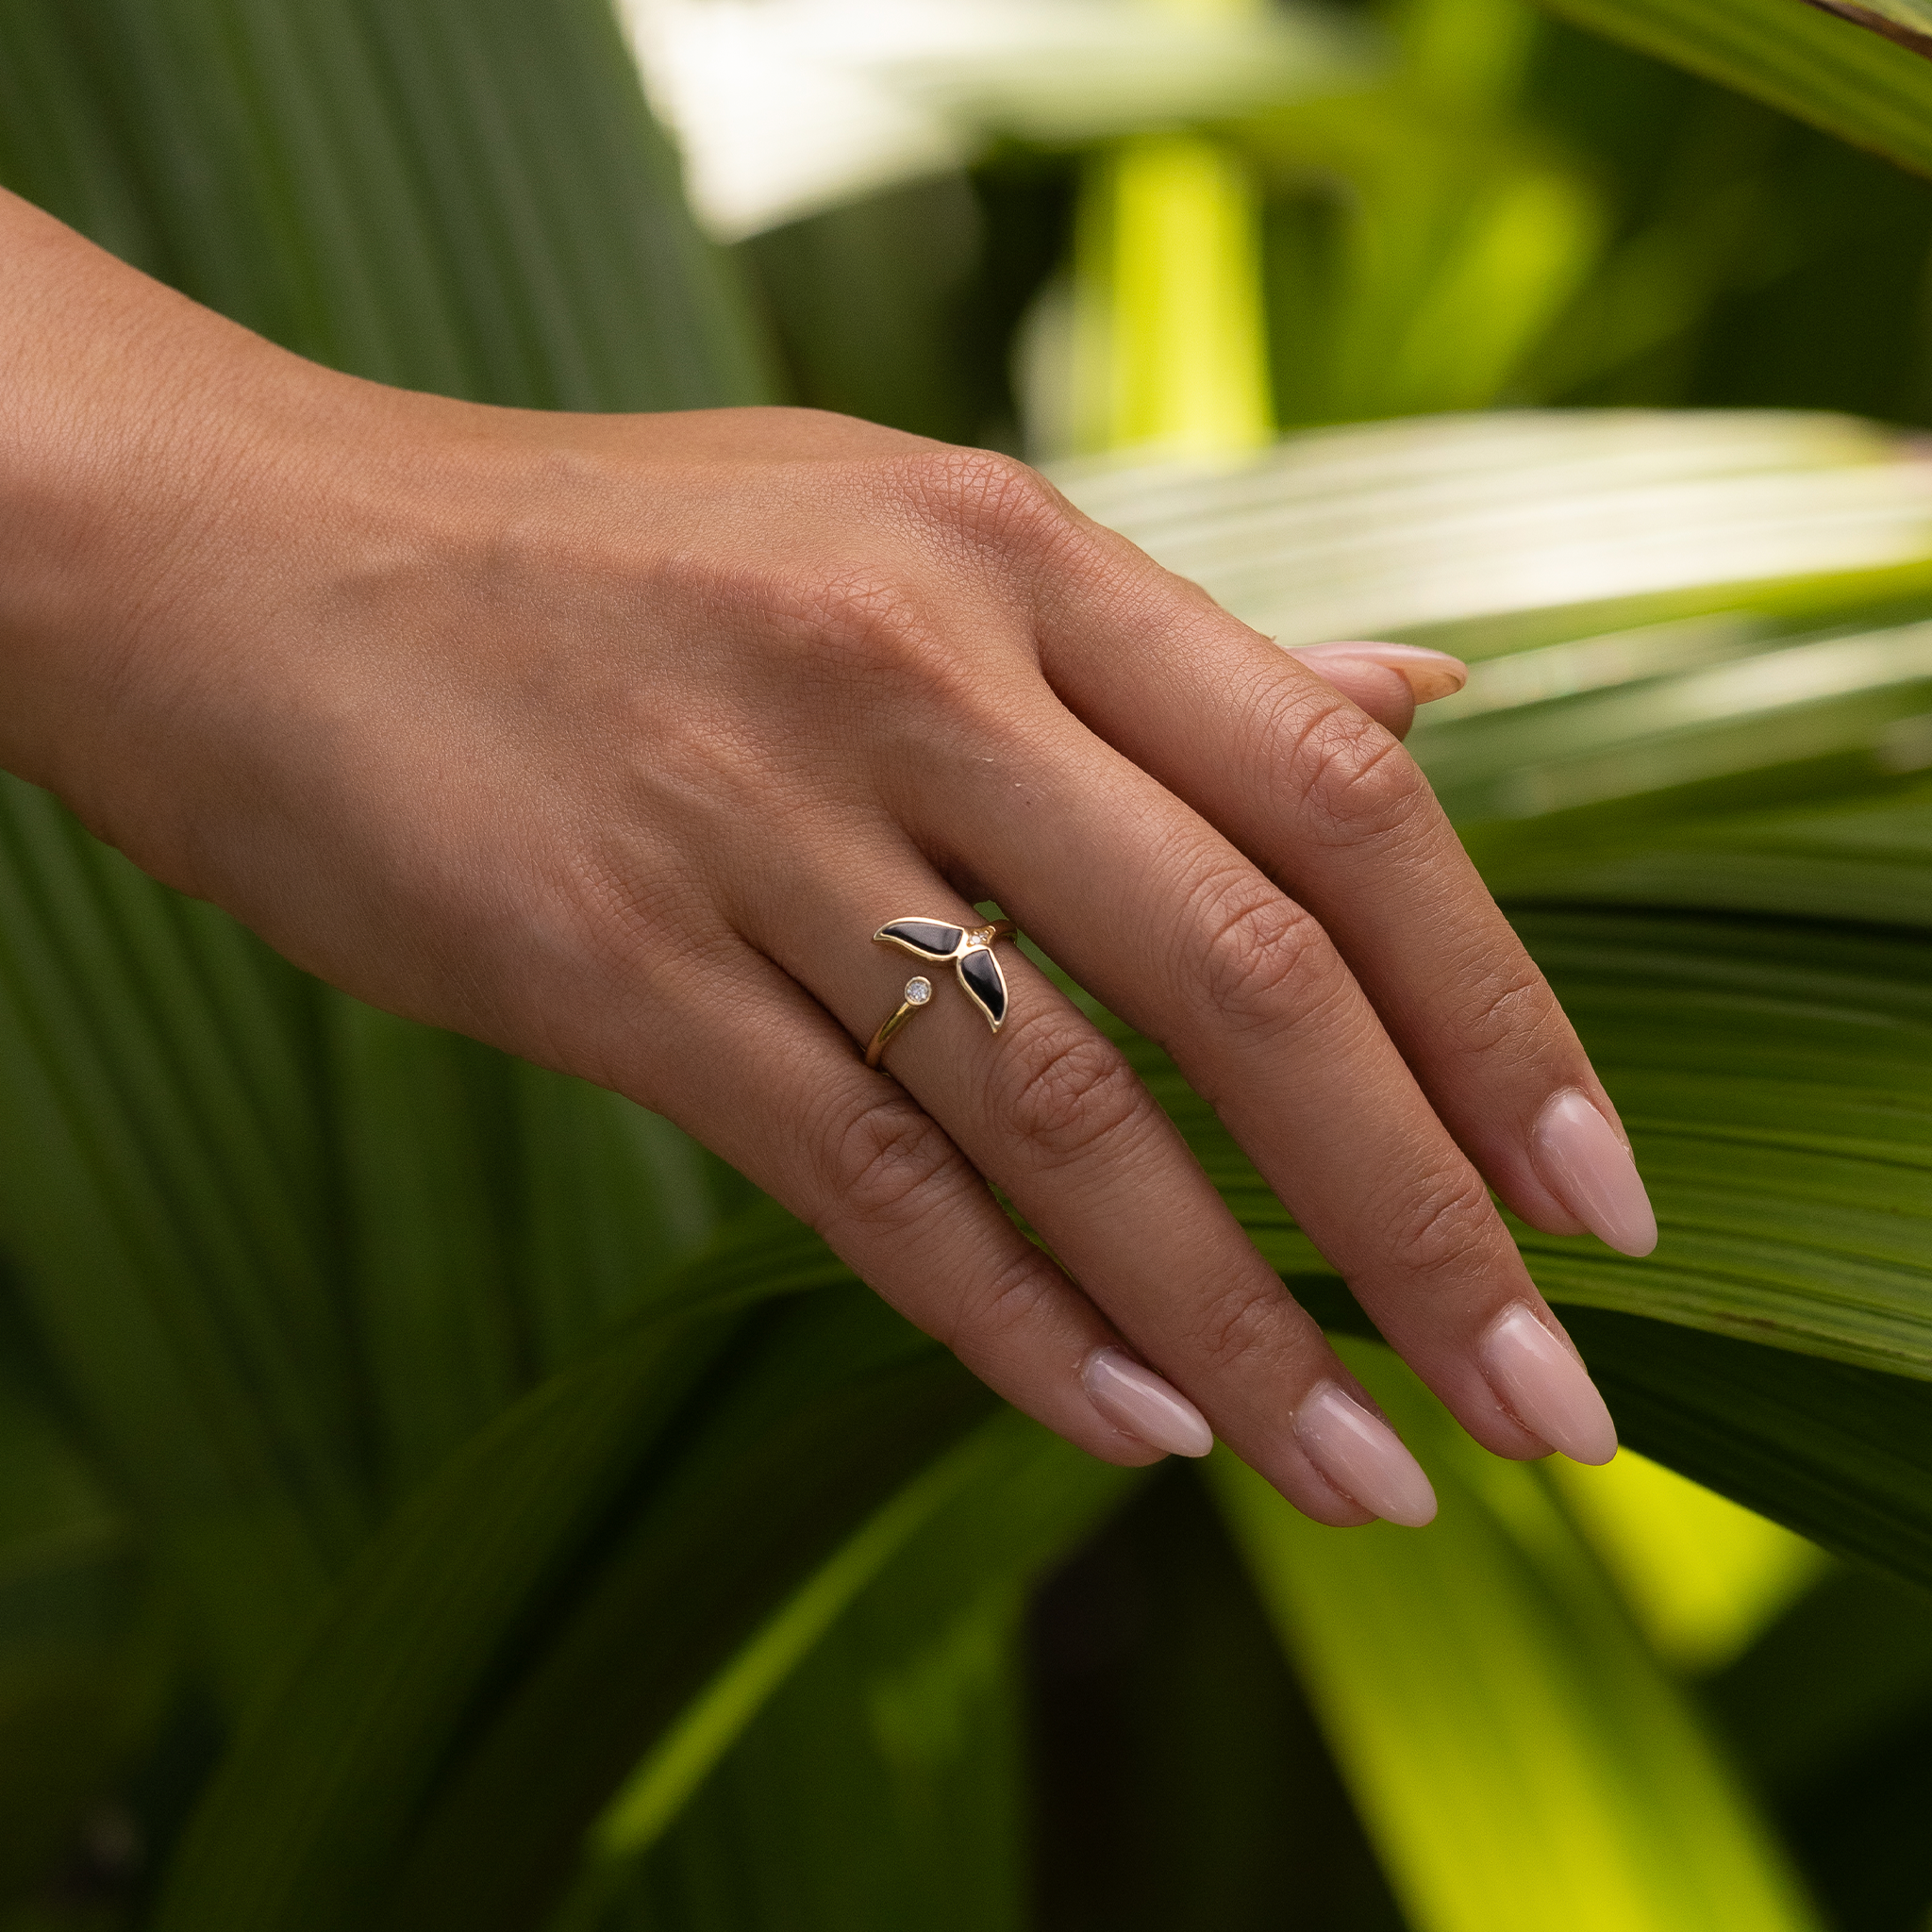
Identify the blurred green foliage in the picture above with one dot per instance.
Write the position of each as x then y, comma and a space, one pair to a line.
435, 1494
1520, 213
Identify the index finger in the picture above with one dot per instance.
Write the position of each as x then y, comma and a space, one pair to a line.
1332, 808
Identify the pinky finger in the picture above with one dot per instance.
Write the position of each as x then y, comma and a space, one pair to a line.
786, 1099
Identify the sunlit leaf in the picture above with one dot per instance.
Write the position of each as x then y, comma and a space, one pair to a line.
818, 102
1422, 241
1703, 1576
1398, 527
904, 1724
1515, 1750
1165, 267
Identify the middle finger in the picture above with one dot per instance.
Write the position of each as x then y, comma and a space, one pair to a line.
1149, 906
1050, 1109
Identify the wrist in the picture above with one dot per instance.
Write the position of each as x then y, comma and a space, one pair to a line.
163, 474
128, 410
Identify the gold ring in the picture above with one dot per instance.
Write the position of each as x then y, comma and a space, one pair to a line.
970, 949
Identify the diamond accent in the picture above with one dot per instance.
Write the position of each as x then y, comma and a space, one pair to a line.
918, 991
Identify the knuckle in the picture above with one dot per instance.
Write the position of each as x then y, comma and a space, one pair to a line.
1066, 1089
1451, 1223
1510, 1002
989, 498
1003, 1307
873, 621
1261, 955
1352, 777
1239, 1330
879, 642
882, 1165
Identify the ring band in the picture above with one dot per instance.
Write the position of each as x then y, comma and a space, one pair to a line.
969, 948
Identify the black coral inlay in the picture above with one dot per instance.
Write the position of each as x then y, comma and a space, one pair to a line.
929, 939
980, 974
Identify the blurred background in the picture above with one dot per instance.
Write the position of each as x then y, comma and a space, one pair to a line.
1138, 243
1443, 320
1402, 208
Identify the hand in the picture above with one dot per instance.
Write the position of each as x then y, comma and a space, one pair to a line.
612, 740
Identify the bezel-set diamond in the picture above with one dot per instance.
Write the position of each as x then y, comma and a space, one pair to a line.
967, 949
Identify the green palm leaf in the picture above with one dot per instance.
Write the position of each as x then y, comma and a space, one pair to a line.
1869, 90
559, 1596
176, 1269
902, 1701
297, 1262
463, 198
85, 1656
1772, 1069
1512, 1743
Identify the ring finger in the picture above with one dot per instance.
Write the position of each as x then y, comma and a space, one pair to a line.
1048, 1109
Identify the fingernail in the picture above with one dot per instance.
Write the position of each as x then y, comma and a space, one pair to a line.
1431, 675
1545, 1387
1134, 1398
1363, 1457
1590, 1171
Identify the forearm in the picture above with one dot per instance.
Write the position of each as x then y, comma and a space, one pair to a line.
121, 405
166, 478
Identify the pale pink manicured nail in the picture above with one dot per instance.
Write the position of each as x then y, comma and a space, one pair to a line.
1363, 1457
1590, 1171
1135, 1399
1431, 675
1545, 1387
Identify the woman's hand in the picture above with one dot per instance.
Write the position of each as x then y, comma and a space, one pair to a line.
612, 740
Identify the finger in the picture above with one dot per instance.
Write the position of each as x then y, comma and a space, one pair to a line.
1379, 690
786, 1099
1049, 1109
1153, 910
1387, 681
1328, 807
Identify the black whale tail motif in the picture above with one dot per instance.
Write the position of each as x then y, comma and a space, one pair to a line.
985, 984
925, 938
979, 971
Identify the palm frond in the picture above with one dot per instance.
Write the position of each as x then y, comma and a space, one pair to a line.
1867, 90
